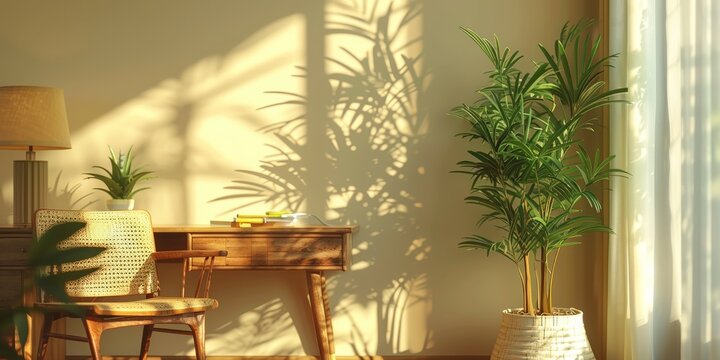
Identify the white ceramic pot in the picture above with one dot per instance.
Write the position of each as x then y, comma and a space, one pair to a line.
121, 204
542, 337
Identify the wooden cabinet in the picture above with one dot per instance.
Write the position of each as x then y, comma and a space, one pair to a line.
15, 243
11, 295
14, 248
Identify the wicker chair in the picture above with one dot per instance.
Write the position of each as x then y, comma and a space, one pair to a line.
127, 268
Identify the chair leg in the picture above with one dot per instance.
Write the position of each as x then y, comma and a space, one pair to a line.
45, 335
197, 326
94, 330
145, 345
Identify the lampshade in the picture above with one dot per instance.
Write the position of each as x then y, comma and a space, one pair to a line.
33, 117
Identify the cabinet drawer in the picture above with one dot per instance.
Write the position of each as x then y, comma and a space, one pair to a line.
10, 288
14, 251
287, 252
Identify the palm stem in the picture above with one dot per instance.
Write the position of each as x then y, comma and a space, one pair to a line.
545, 307
529, 306
552, 278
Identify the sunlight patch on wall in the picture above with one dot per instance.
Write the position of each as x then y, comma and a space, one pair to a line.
355, 330
373, 71
397, 320
195, 129
419, 249
257, 331
376, 127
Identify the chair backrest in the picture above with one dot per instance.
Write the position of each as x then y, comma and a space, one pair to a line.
126, 267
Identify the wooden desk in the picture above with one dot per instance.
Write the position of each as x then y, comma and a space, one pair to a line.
312, 249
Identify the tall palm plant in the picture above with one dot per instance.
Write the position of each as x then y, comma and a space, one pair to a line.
531, 174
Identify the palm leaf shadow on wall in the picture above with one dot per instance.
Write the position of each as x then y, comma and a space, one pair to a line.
375, 124
67, 196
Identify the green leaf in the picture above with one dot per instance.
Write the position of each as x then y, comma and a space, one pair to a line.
59, 232
20, 319
54, 284
8, 352
75, 254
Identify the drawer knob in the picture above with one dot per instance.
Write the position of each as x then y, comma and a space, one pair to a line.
23, 250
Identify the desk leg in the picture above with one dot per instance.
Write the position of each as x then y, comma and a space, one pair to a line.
321, 314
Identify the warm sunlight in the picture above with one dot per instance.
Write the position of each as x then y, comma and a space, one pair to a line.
332, 113
196, 128
667, 297
193, 130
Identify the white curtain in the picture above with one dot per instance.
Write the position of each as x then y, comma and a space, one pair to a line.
664, 258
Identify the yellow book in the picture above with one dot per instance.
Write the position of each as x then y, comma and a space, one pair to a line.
250, 220
278, 214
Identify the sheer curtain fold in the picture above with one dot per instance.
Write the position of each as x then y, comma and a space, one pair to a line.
664, 270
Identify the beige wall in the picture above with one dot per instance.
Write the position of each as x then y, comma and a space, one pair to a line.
185, 81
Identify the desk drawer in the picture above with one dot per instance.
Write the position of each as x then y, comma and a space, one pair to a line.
287, 252
14, 251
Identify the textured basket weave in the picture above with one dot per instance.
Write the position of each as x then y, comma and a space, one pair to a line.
126, 267
542, 337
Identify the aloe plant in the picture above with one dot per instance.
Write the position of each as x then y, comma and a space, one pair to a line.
121, 178
531, 174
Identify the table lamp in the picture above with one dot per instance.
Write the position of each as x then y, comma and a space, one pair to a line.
31, 118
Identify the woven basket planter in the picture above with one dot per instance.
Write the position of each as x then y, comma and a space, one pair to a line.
542, 337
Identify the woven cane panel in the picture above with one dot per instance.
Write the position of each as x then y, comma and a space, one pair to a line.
126, 267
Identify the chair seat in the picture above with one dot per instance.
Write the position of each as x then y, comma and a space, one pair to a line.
159, 306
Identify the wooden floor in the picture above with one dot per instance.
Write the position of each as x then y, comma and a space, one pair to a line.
301, 357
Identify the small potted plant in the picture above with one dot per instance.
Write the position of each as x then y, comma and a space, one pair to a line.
535, 180
120, 180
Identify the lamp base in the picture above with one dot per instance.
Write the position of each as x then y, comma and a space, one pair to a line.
30, 189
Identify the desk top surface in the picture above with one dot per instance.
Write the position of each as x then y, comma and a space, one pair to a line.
220, 229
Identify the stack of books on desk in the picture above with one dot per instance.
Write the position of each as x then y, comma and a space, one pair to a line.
270, 218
